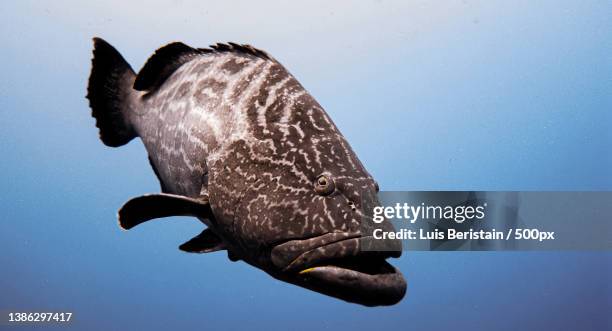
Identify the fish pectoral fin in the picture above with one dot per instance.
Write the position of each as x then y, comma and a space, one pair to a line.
147, 207
205, 242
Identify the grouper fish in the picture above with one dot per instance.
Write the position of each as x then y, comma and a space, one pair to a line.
238, 143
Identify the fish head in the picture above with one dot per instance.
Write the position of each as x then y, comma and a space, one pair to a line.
303, 218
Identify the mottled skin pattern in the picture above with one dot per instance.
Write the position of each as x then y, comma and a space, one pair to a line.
237, 128
243, 130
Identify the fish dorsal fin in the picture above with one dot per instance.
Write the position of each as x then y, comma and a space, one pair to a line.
162, 64
147, 207
231, 47
170, 57
205, 242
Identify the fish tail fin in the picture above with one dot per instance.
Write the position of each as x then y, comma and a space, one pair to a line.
111, 95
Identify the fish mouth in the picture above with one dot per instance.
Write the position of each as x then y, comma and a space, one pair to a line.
339, 266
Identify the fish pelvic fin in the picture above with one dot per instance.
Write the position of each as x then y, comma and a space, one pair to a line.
205, 242
111, 95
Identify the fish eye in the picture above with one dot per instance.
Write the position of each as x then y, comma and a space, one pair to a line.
324, 185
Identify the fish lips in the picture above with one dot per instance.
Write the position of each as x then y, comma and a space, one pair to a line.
339, 266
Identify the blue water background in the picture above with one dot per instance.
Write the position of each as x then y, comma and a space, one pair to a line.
456, 95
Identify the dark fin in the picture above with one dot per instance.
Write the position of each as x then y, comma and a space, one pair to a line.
205, 242
162, 64
240, 48
109, 89
147, 207
232, 256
